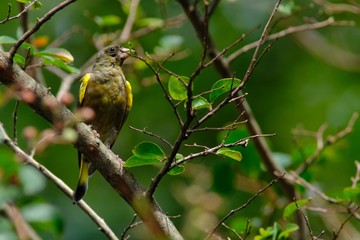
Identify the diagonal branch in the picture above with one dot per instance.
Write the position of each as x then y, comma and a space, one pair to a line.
105, 161
58, 182
37, 26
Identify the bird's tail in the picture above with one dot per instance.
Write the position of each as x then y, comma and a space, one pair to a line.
83, 180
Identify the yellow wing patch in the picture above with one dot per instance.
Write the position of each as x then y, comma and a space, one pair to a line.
129, 95
84, 82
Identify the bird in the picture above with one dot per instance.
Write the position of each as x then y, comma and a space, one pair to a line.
107, 92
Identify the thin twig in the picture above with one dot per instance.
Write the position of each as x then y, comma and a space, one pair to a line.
293, 177
152, 135
290, 30
26, 8
332, 139
336, 235
305, 218
37, 26
15, 121
126, 31
128, 227
58, 182
232, 230
247, 203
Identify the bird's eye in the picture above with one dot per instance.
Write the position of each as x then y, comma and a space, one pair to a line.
112, 51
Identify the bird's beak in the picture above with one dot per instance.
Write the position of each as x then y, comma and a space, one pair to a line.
124, 53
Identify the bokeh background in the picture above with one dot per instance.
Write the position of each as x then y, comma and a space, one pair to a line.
305, 80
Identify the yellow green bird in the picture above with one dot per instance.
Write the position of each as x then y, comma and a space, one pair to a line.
106, 91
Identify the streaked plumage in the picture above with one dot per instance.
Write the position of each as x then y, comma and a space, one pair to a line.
106, 91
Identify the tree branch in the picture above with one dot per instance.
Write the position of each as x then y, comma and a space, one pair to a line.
58, 182
106, 162
37, 26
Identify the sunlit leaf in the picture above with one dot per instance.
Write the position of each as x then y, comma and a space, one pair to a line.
107, 20
149, 150
199, 103
292, 207
135, 161
236, 155
59, 53
48, 60
177, 88
23, 1
222, 86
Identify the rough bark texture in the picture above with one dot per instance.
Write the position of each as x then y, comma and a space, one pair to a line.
107, 163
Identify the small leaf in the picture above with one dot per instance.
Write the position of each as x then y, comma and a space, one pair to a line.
352, 194
32, 181
37, 5
289, 228
177, 88
59, 53
179, 169
236, 155
23, 1
135, 161
150, 22
149, 150
10, 40
199, 103
291, 207
107, 20
44, 217
7, 40
19, 59
222, 86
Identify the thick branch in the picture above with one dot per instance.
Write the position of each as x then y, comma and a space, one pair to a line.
45, 104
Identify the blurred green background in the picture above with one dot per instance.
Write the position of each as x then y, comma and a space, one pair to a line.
294, 86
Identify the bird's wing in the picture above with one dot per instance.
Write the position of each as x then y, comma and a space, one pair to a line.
84, 83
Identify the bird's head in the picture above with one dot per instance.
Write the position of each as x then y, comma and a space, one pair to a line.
113, 54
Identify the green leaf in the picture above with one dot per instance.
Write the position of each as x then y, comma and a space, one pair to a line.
199, 103
352, 194
150, 22
37, 5
236, 155
149, 150
222, 86
23, 1
107, 20
291, 207
59, 53
135, 161
179, 169
10, 40
32, 181
178, 88
49, 60
19, 59
289, 228
43, 217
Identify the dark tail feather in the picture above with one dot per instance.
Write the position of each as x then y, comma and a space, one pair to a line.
79, 192
83, 181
